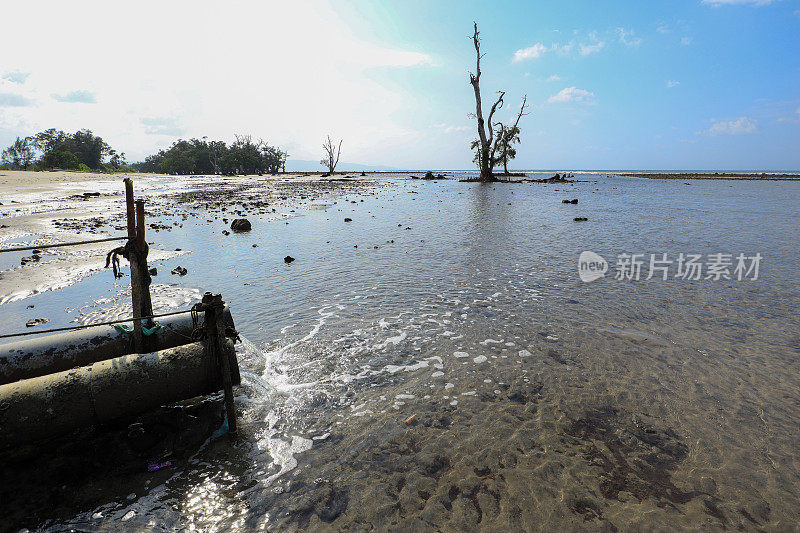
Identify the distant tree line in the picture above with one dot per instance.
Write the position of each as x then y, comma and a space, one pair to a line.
200, 156
82, 150
54, 148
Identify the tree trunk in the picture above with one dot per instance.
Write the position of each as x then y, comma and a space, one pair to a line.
485, 140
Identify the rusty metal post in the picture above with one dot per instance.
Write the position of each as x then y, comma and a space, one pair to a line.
135, 274
215, 333
141, 258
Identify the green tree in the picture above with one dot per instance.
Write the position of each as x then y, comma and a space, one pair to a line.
20, 155
60, 159
274, 158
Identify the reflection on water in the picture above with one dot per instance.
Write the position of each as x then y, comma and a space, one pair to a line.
438, 363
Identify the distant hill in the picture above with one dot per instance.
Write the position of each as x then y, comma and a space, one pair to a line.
304, 165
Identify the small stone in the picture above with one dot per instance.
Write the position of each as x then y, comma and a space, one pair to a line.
411, 420
348, 219
179, 270
226, 232
36, 322
288, 259
153, 271
580, 219
241, 224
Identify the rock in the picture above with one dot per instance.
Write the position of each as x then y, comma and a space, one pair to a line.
363, 174
226, 232
573, 201
411, 420
30, 259
288, 259
580, 219
153, 271
36, 321
429, 176
179, 270
255, 246
241, 224
30, 306
348, 219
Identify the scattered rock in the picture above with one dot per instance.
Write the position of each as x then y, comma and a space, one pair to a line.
36, 322
255, 246
288, 259
348, 219
30, 259
580, 219
241, 224
30, 306
226, 232
573, 201
179, 270
153, 271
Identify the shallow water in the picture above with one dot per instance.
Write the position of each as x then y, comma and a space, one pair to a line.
538, 401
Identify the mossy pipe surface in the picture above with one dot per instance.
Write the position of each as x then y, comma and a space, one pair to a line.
46, 406
40, 356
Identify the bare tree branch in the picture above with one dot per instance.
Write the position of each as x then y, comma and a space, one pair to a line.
497, 105
331, 154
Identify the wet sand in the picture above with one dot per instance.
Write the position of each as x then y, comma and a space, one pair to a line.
40, 208
758, 176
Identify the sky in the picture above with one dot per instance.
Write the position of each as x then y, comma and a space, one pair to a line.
681, 84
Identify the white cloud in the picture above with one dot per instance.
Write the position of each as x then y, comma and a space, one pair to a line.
563, 48
672, 83
739, 126
686, 41
627, 38
16, 76
587, 49
169, 126
717, 3
554, 77
81, 97
532, 52
335, 80
664, 29
450, 128
571, 94
14, 100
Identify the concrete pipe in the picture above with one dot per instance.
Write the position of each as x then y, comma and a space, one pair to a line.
30, 358
47, 406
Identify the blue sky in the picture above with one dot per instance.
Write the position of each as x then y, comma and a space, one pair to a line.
671, 85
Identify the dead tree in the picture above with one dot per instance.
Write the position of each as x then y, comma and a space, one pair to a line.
490, 134
485, 134
331, 155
